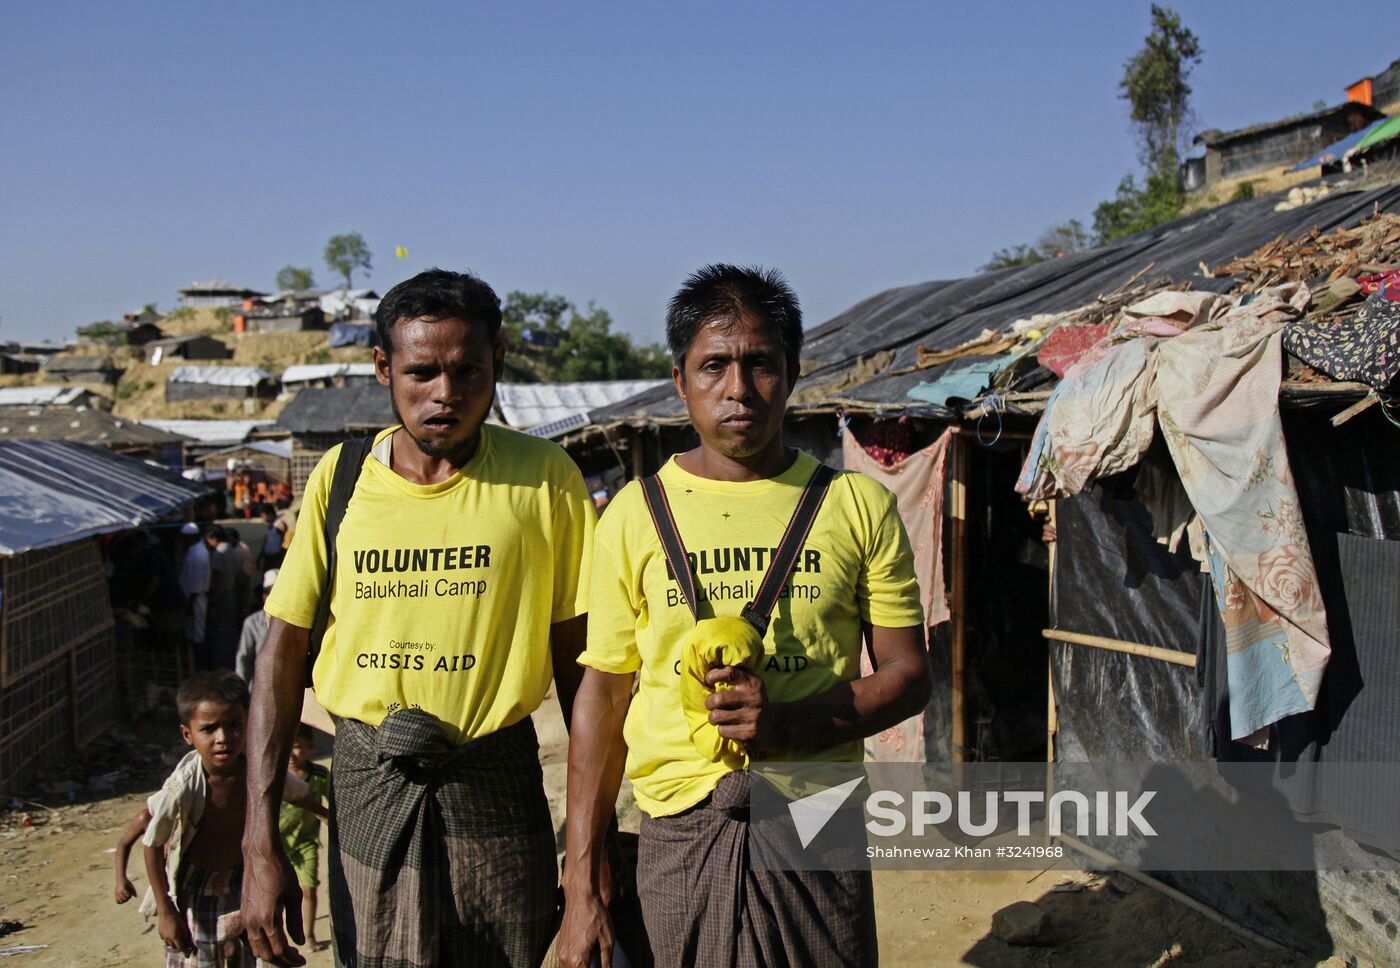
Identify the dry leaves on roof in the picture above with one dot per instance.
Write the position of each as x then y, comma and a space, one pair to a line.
1372, 246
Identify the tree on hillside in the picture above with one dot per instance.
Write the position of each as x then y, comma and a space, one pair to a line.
346, 253
1155, 86
293, 277
570, 345
1058, 240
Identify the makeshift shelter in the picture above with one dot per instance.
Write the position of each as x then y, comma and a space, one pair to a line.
1259, 147
362, 335
219, 383
194, 347
273, 458
216, 293
90, 426
971, 352
82, 369
303, 376
44, 396
57, 648
552, 409
278, 318
318, 419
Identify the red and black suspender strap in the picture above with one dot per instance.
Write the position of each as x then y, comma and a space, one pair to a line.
758, 610
347, 475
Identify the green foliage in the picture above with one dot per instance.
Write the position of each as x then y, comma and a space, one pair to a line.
588, 348
224, 316
1058, 240
104, 331
346, 253
1243, 191
1155, 85
1133, 209
294, 277
124, 389
317, 356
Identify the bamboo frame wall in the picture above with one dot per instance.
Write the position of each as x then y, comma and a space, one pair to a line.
57, 660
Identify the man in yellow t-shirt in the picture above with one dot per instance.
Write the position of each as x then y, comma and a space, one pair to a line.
458, 593
735, 335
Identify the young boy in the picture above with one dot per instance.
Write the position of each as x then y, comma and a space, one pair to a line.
193, 844
301, 828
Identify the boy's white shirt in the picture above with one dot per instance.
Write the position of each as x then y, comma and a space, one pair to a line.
176, 809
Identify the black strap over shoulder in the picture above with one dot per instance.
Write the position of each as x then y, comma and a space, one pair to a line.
347, 475
757, 612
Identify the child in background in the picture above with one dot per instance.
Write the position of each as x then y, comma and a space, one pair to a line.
301, 828
193, 844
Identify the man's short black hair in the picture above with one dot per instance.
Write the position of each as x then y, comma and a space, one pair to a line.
219, 685
437, 294
723, 291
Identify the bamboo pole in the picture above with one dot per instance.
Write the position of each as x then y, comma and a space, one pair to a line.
1110, 862
1052, 717
958, 541
1118, 645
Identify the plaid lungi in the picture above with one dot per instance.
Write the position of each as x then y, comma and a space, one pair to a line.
439, 854
704, 905
210, 902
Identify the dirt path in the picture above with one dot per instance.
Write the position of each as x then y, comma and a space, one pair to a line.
56, 877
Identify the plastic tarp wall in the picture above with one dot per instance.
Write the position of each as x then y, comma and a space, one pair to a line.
1112, 579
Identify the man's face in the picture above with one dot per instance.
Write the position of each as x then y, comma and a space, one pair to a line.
442, 377
735, 384
216, 731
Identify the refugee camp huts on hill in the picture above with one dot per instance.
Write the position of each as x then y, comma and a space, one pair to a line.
945, 382
214, 293
204, 436
46, 396
319, 418
91, 426
219, 383
303, 376
193, 347
13, 364
283, 317
68, 632
1261, 147
1381, 90
82, 369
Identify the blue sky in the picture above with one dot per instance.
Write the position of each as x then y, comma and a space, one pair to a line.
599, 151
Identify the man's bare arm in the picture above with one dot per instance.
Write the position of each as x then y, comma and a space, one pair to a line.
897, 689
566, 642
269, 892
597, 753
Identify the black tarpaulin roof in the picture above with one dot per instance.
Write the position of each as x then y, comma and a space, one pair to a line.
883, 333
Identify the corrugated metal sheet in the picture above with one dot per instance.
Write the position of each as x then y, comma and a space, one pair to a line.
39, 396
532, 404
53, 492
219, 433
306, 372
220, 376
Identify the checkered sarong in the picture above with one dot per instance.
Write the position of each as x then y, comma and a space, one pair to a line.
210, 901
439, 854
704, 905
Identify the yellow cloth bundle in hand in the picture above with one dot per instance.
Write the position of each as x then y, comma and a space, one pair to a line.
723, 641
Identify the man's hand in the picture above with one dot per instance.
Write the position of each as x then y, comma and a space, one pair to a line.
125, 889
587, 930
173, 930
741, 711
271, 894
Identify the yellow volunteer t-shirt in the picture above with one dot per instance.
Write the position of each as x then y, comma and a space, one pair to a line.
444, 593
855, 567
